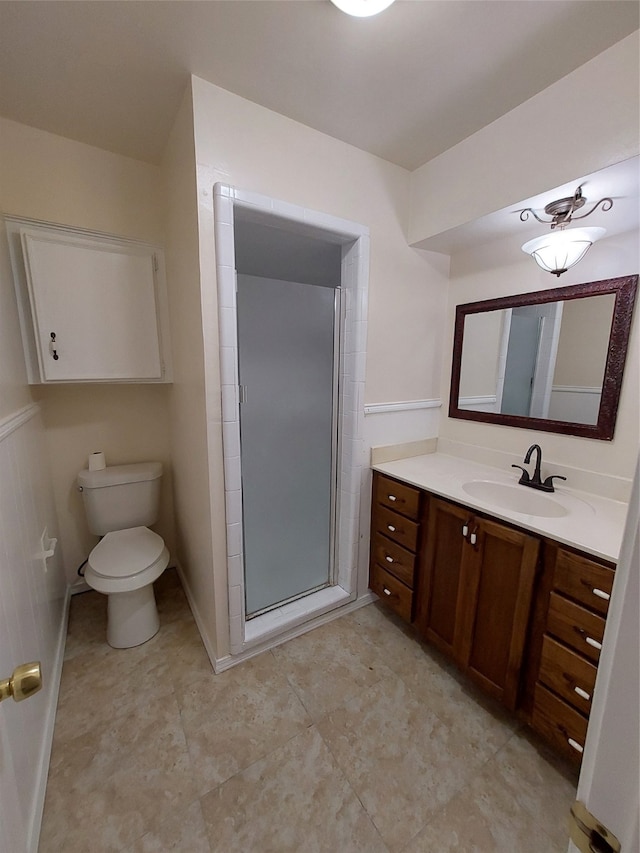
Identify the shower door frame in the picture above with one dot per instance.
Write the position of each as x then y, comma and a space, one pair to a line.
249, 636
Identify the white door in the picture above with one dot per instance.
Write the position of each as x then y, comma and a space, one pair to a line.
609, 782
32, 607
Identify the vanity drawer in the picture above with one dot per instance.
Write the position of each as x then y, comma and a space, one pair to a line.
395, 594
576, 626
582, 579
402, 530
567, 674
396, 496
394, 558
563, 726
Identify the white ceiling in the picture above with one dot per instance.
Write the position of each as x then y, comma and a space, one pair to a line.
405, 85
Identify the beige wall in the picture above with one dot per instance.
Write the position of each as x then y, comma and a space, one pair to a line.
475, 275
187, 405
250, 147
242, 144
14, 391
584, 122
47, 177
584, 341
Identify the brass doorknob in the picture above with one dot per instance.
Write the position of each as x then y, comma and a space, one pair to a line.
25, 681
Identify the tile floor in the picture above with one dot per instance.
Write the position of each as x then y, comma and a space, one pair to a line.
354, 738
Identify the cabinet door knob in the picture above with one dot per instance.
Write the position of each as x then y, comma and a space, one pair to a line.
389, 559
473, 538
592, 642
575, 745
386, 591
601, 593
465, 530
391, 528
582, 693
392, 497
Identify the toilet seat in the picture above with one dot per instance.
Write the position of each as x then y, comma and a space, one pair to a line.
126, 560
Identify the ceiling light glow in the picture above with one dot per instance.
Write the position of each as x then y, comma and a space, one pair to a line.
362, 8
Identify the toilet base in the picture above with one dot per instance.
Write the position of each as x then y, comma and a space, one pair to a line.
132, 617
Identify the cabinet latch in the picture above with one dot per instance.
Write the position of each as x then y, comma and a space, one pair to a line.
588, 834
53, 347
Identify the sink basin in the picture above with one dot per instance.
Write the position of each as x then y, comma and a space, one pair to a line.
517, 498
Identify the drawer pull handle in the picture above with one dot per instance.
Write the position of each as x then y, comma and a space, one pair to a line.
465, 530
592, 642
386, 591
601, 593
575, 745
389, 559
582, 693
473, 538
392, 497
391, 528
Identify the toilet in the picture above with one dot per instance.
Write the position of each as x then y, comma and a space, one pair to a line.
120, 502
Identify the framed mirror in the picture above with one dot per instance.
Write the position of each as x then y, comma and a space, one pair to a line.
551, 360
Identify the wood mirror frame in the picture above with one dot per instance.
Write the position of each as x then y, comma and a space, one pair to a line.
624, 289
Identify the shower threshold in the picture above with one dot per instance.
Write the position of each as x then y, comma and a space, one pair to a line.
287, 601
285, 618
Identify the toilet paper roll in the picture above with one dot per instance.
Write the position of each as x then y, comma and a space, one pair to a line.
97, 461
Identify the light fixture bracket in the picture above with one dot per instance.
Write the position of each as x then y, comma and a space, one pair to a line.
562, 211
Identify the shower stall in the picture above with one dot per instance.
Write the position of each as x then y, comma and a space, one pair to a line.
288, 355
292, 325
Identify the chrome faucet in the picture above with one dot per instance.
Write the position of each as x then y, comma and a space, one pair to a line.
536, 481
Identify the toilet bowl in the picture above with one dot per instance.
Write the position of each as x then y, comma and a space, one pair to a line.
120, 501
123, 566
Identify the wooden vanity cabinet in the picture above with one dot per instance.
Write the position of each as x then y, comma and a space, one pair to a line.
396, 520
476, 586
522, 615
565, 648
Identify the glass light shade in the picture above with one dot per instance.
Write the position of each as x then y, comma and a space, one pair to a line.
362, 8
560, 250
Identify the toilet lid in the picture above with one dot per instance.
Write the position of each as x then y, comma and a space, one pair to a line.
126, 552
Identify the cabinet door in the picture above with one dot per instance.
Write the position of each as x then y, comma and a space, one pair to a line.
498, 575
439, 583
94, 308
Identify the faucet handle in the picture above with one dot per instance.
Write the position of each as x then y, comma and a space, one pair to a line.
524, 478
548, 483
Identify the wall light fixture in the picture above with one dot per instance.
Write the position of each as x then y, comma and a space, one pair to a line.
562, 249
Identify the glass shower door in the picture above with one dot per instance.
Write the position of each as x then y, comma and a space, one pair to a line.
286, 334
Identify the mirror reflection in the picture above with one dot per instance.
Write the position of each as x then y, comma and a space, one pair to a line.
543, 360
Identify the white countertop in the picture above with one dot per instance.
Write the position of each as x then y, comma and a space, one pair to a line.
592, 524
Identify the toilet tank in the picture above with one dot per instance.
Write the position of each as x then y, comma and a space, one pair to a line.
121, 496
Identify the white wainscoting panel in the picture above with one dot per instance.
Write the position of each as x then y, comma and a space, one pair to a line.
399, 423
33, 610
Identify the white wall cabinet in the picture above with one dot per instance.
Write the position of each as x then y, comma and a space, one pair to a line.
92, 307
